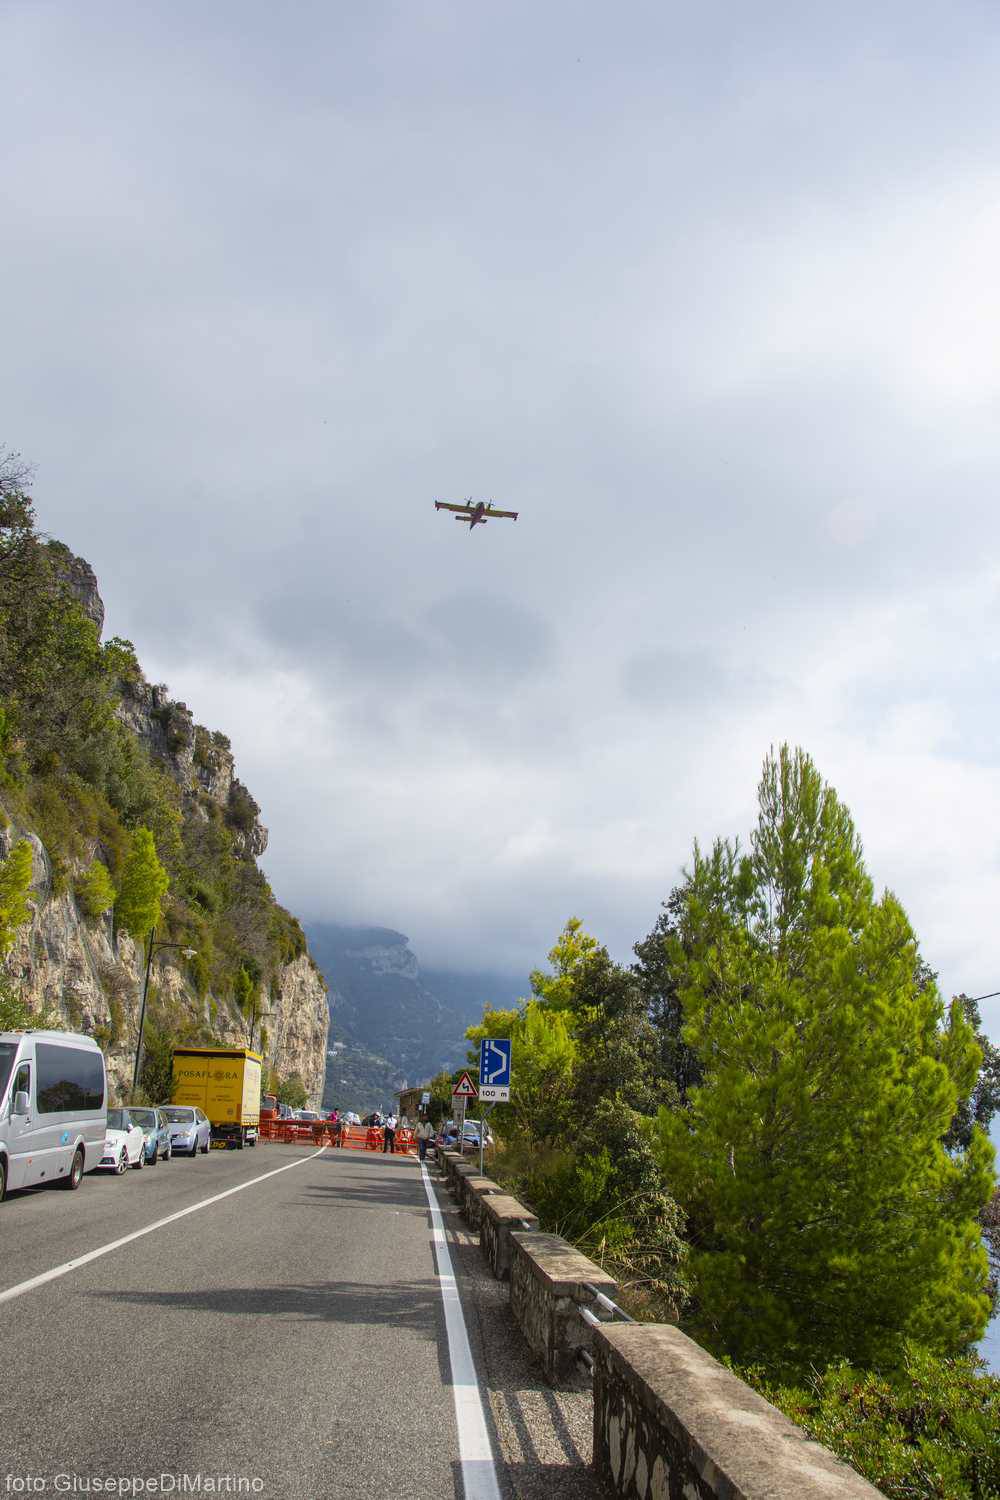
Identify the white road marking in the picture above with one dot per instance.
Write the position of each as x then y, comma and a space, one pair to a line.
479, 1475
137, 1234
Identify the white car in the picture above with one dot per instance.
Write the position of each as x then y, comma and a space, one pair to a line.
124, 1144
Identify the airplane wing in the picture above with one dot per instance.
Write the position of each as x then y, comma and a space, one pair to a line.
447, 505
510, 514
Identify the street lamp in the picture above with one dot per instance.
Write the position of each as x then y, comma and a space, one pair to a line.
258, 1014
152, 945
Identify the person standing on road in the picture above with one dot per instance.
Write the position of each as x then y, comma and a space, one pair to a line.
389, 1144
425, 1134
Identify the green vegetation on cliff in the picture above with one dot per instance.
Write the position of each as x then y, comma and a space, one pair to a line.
126, 825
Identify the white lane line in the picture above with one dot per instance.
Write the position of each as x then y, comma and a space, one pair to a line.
479, 1475
137, 1234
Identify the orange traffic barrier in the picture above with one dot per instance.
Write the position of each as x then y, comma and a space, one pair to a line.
331, 1133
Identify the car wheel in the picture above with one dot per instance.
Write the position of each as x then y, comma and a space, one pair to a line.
141, 1162
167, 1154
204, 1149
155, 1156
3, 1179
194, 1151
75, 1176
121, 1165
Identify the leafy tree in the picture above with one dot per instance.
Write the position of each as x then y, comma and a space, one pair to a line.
17, 516
676, 1063
94, 891
440, 1091
15, 883
247, 992
573, 947
827, 1220
292, 1091
144, 883
544, 1053
616, 1044
979, 1107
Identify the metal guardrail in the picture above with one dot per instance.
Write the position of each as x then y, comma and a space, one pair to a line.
593, 1321
606, 1303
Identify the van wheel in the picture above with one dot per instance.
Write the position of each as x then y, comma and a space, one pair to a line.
72, 1182
3, 1179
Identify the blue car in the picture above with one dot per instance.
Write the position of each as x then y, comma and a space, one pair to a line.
156, 1132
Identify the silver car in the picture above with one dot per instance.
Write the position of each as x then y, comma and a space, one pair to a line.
190, 1129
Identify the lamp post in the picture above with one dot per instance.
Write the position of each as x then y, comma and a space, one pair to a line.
258, 1013
150, 948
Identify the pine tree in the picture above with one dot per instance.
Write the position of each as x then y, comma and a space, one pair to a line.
826, 1218
94, 891
144, 884
15, 883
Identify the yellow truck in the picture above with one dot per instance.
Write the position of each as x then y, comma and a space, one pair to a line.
224, 1082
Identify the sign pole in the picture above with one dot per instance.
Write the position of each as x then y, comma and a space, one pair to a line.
461, 1093
484, 1114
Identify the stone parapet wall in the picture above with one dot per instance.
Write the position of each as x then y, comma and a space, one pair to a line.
474, 1190
446, 1160
548, 1278
457, 1178
671, 1423
500, 1217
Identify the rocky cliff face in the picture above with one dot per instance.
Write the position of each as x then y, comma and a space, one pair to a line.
92, 976
92, 979
200, 762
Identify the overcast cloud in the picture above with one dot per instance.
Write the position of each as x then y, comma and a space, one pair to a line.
709, 294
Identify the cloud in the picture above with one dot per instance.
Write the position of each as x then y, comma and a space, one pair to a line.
709, 299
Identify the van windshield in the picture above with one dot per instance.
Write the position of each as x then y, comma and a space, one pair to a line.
8, 1051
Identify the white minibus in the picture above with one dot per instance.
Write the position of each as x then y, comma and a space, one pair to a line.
53, 1108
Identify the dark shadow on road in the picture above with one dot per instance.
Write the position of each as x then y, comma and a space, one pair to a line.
386, 1195
414, 1304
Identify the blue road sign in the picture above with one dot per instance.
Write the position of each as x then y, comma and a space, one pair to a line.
494, 1069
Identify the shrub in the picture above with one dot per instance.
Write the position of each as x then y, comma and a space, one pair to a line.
94, 892
17, 1015
927, 1433
15, 883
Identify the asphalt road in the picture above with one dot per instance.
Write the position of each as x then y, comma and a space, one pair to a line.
290, 1335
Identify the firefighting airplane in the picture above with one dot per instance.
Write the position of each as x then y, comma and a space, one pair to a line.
475, 514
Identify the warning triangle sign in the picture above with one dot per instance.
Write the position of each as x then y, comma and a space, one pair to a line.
464, 1088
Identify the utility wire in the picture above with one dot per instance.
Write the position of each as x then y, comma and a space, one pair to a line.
991, 996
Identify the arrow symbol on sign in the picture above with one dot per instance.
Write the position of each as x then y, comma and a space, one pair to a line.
494, 1063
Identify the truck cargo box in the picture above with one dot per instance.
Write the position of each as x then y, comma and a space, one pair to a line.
225, 1083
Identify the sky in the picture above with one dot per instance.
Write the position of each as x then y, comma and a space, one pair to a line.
707, 294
